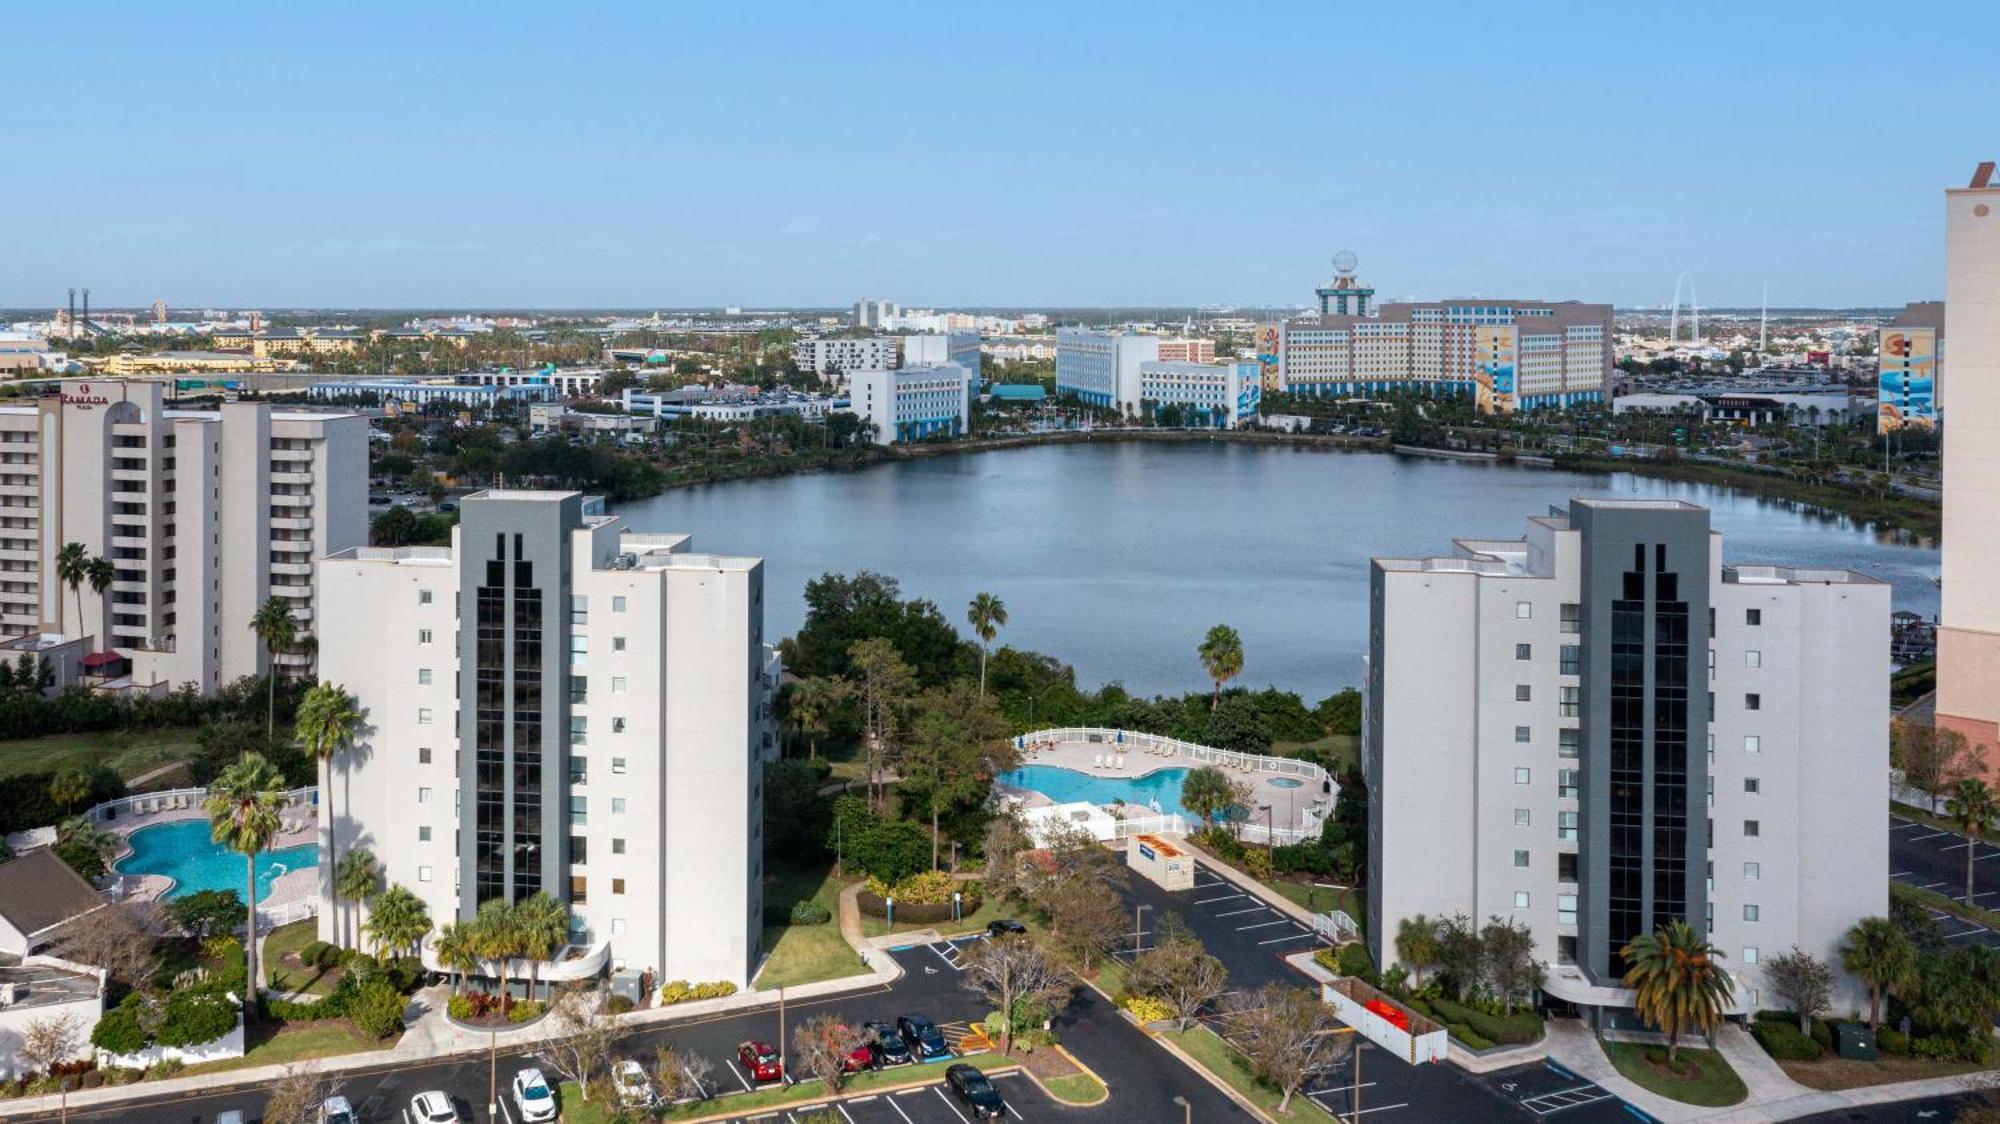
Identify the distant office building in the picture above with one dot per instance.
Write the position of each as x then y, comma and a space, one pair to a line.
555, 704
22, 355
418, 394
567, 382
204, 515
1910, 379
126, 363
159, 312
1102, 368
913, 403
1221, 395
1603, 726
961, 347
1187, 351
874, 313
1968, 638
709, 405
825, 357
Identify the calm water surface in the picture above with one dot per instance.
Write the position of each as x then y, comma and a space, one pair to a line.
1118, 557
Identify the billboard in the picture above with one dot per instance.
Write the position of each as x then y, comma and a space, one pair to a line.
1906, 385
1493, 356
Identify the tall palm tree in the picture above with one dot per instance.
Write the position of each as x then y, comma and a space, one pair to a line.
356, 877
987, 615
1974, 807
399, 921
70, 788
100, 573
274, 625
810, 702
1678, 983
544, 928
1417, 944
329, 718
496, 933
73, 569
457, 948
80, 834
1221, 654
1881, 956
242, 809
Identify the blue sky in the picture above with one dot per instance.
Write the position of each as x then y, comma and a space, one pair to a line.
642, 154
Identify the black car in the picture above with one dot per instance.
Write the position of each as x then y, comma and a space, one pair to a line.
888, 1042
978, 1093
925, 1040
1005, 927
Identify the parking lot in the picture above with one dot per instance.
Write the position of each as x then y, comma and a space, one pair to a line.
1932, 859
1548, 1090
1238, 928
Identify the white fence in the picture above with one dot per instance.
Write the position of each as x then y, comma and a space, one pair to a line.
1336, 926
178, 799
271, 917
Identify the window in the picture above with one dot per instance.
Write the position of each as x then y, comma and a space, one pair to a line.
1520, 817
1750, 954
1753, 744
579, 892
1523, 735
1568, 742
424, 794
617, 725
423, 874
1565, 950
617, 604
423, 716
1524, 651
423, 677
579, 610
1566, 866
1565, 909
1749, 912
1566, 784
618, 684
1572, 659
1751, 828
1565, 825
1752, 871
423, 597
423, 755
617, 766
618, 643
1752, 785
579, 810
1520, 858
1520, 899
579, 770
423, 834
617, 885
1753, 658
1524, 610
617, 846
1753, 701
618, 805
1753, 617
579, 850
423, 636
1522, 775
1572, 702
579, 729
1572, 618
1523, 692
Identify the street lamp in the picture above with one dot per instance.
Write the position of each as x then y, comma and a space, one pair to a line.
1187, 1110
1270, 828
1139, 929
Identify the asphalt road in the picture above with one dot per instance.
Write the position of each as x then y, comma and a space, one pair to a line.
1930, 859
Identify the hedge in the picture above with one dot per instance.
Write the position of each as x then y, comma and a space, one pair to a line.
1781, 1039
1509, 1030
681, 991
806, 911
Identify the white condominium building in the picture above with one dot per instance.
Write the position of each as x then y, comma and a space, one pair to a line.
933, 350
1602, 726
1221, 395
203, 514
912, 403
555, 704
834, 356
1102, 368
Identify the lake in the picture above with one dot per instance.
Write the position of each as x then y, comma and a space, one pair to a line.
1118, 556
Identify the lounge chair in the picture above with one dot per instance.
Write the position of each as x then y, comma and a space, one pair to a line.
1121, 762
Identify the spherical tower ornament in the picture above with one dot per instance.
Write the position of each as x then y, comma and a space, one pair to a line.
1344, 262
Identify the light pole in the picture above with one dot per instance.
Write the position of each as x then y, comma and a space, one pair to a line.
493, 1075
782, 1070
1187, 1110
1139, 929
1270, 828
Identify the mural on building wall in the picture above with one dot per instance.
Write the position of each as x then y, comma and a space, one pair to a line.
1907, 384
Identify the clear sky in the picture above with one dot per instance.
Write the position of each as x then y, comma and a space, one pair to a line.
654, 154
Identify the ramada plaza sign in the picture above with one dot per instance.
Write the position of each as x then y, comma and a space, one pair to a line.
84, 398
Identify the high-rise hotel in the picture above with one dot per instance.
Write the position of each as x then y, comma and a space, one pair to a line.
203, 513
556, 704
1602, 726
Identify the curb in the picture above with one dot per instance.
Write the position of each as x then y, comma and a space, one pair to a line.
837, 1098
1086, 1070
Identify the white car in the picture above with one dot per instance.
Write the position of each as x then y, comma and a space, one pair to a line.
533, 1097
635, 1090
433, 1107
336, 1110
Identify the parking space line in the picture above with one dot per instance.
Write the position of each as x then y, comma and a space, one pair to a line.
949, 1105
949, 963
1265, 924
1224, 898
504, 1114
1932, 835
1340, 1089
838, 1107
731, 1063
899, 1111
1901, 873
1289, 937
1379, 1108
1241, 912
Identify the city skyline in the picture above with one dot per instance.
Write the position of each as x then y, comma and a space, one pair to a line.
391, 158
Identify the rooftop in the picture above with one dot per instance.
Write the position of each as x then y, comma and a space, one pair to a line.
38, 892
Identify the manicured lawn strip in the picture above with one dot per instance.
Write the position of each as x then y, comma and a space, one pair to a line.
1222, 1060
1952, 906
1715, 1087
800, 954
286, 940
1344, 749
296, 1043
600, 1111
127, 753
1077, 1088
971, 923
1833, 1073
1319, 899
1923, 816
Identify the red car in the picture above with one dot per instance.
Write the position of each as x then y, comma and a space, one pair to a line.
761, 1061
860, 1058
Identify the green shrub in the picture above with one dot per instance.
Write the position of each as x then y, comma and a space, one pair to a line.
310, 954
1470, 1038
165, 1067
328, 956
1892, 1042
619, 1004
459, 1007
1515, 1029
378, 1009
1781, 1039
1147, 1009
1822, 1033
681, 991
809, 912
526, 1010
92, 1079
405, 973
119, 1030
196, 1015
1353, 959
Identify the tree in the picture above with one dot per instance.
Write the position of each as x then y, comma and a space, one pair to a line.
1933, 758
100, 573
49, 1041
1880, 956
71, 788
1180, 973
583, 1038
1511, 971
820, 1047
987, 615
120, 939
497, 935
1804, 981
1221, 654
399, 920
1461, 955
296, 1097
810, 702
357, 877
206, 912
242, 807
1002, 847
543, 925
84, 846
377, 1008
1017, 976
276, 629
681, 1075
328, 721
457, 950
1973, 807
882, 681
1207, 792
1417, 945
73, 569
1678, 984
1287, 1034
957, 743
1087, 918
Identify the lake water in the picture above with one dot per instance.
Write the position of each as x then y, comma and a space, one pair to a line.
1117, 557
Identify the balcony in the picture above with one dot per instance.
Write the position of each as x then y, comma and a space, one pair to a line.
301, 568
292, 546
305, 455
279, 499
292, 523
300, 478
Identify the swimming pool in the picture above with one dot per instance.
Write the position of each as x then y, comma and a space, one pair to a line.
1067, 786
183, 852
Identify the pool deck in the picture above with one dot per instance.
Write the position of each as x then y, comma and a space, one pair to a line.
1289, 806
300, 827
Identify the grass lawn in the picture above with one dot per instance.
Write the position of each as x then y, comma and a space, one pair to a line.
296, 1042
1712, 1083
1077, 1088
800, 954
287, 940
1222, 1060
129, 754
1935, 900
1343, 749
1319, 899
1923, 815
972, 922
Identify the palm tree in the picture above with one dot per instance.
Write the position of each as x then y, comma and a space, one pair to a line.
399, 921
1881, 956
100, 573
1678, 983
1973, 806
987, 615
356, 877
543, 923
70, 788
1221, 654
496, 933
810, 702
242, 809
274, 625
73, 569
81, 835
1417, 944
329, 718
457, 948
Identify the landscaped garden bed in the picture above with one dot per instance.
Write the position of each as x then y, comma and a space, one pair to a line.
1697, 1077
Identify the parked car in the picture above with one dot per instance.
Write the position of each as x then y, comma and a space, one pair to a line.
761, 1061
1005, 927
890, 1049
861, 1057
635, 1089
976, 1090
336, 1110
433, 1107
229, 1116
925, 1040
533, 1097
